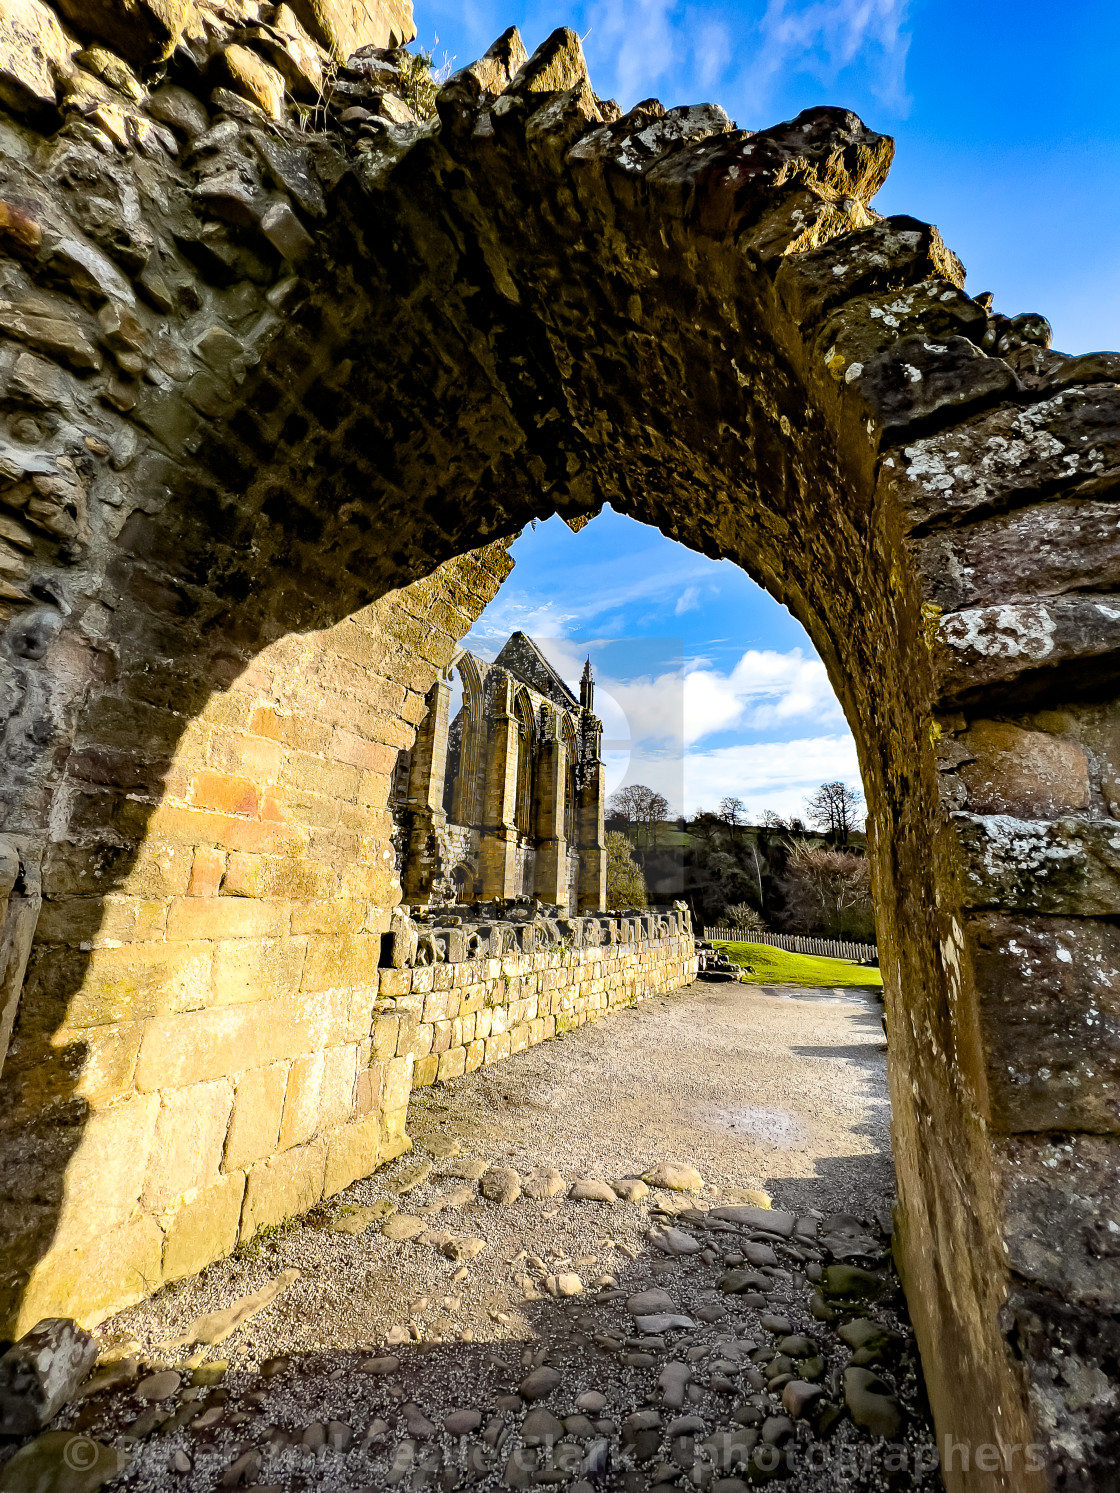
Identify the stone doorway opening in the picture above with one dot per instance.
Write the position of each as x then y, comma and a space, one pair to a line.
244, 581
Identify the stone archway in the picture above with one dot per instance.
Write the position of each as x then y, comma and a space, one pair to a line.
274, 401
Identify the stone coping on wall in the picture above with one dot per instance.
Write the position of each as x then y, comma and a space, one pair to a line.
452, 935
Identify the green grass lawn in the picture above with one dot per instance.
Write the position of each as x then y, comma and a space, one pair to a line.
776, 967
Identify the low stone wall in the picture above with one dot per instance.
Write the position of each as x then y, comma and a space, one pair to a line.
297, 1097
437, 1022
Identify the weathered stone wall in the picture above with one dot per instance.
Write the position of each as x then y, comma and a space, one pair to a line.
206, 959
273, 352
439, 1021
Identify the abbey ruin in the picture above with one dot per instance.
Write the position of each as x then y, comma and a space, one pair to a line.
287, 361
506, 799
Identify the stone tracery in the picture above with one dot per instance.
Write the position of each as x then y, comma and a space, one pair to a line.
506, 799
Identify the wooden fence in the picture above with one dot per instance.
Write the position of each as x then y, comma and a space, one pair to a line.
798, 943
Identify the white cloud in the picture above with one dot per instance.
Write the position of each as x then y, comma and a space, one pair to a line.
636, 46
823, 37
776, 775
688, 601
644, 39
763, 689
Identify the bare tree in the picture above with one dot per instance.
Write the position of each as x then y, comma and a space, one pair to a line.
743, 915
833, 809
641, 806
732, 811
827, 890
771, 820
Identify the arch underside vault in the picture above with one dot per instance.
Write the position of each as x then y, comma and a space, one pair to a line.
258, 480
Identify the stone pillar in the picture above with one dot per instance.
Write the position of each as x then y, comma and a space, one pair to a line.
426, 815
497, 855
590, 838
552, 847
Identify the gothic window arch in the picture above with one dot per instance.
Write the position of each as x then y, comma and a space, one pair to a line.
466, 796
523, 801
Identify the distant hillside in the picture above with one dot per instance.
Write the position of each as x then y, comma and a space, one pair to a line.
713, 865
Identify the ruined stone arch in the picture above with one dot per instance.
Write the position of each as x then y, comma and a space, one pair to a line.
526, 751
465, 807
231, 582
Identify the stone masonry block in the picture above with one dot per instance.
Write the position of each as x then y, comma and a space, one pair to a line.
301, 1103
1048, 996
424, 1073
497, 1047
367, 1090
225, 792
188, 1048
341, 959
141, 980
352, 1152
414, 1037
311, 774
385, 1035
226, 917
258, 1105
283, 1186
330, 915
394, 1139
476, 1056
91, 1272
436, 1005
172, 823
452, 1064
336, 1094
397, 1084
278, 876
253, 969
423, 979
189, 1139
109, 1056
106, 1173
1027, 773
207, 869
204, 1229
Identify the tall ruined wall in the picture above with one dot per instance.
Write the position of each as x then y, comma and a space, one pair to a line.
205, 970
274, 349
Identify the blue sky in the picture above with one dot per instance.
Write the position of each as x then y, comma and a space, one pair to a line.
1008, 132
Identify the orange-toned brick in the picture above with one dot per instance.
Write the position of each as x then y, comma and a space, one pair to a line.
207, 869
225, 792
254, 757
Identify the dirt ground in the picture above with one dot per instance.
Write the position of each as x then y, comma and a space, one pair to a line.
755, 1086
657, 1345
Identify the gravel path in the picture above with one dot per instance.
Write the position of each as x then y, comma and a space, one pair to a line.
345, 1380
